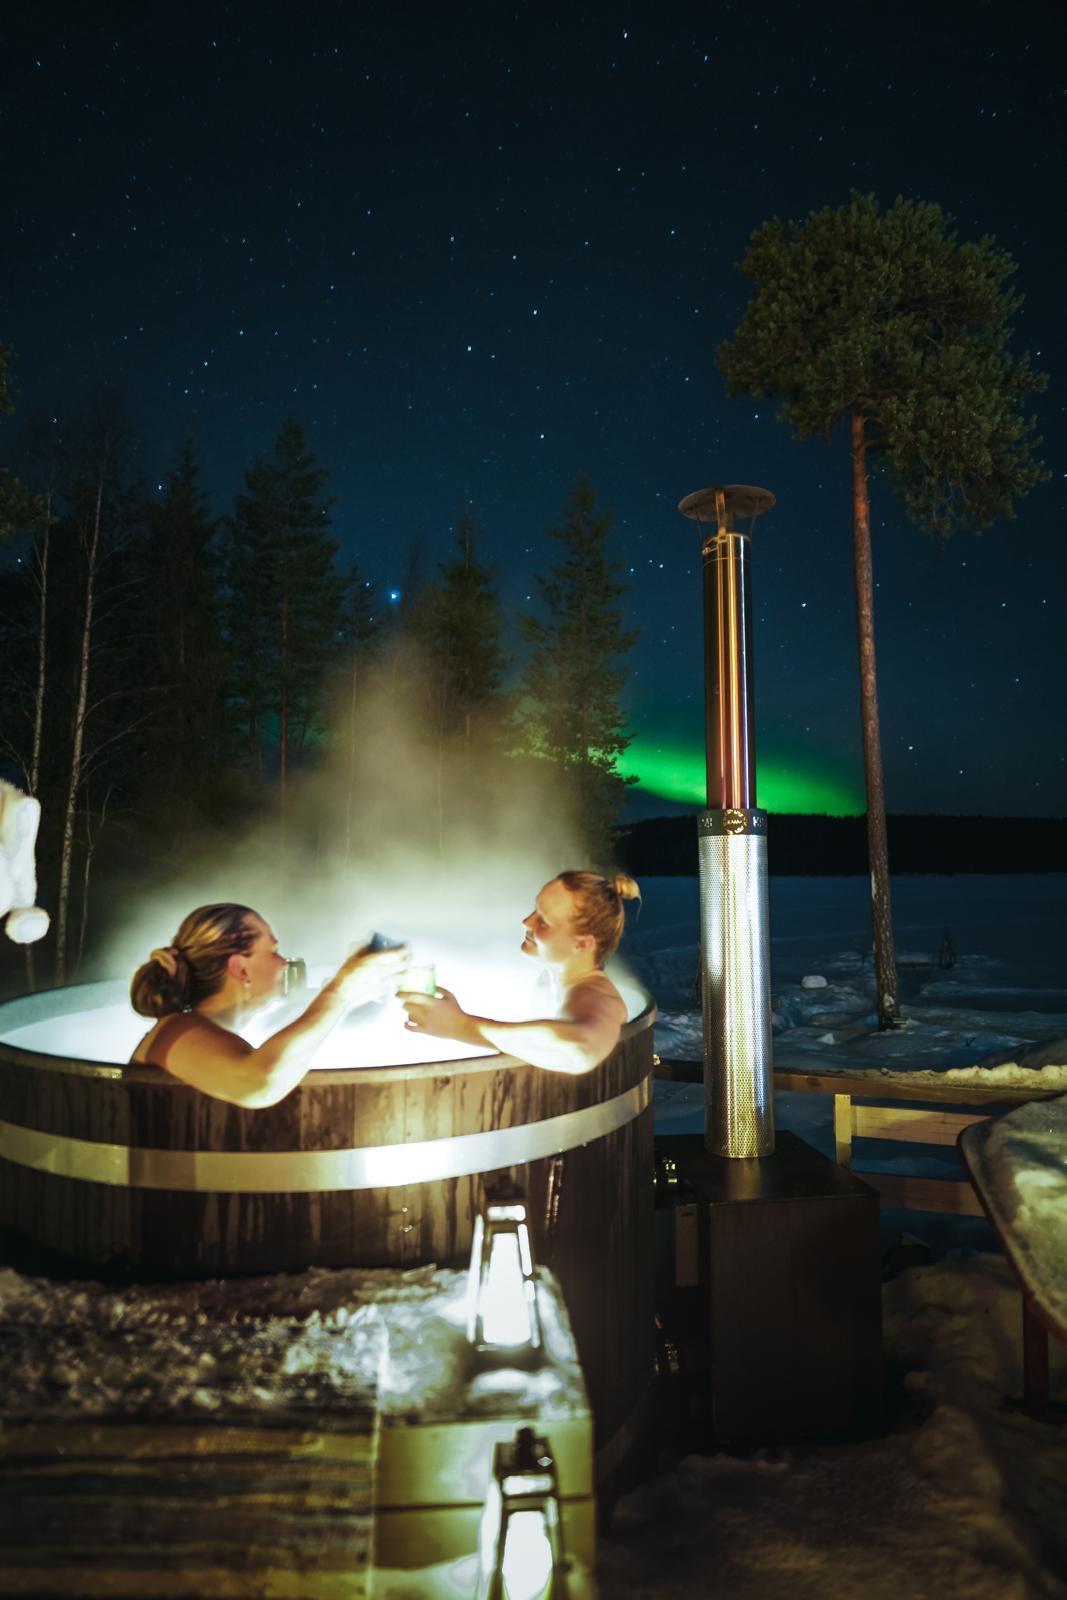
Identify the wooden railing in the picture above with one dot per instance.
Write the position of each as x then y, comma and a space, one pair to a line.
917, 1113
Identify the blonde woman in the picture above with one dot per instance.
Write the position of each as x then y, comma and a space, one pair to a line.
222, 965
575, 925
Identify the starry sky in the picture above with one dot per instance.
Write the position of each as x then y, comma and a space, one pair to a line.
478, 249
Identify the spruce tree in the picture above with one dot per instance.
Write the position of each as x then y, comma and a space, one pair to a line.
888, 324
285, 596
571, 713
468, 629
251, 610
17, 508
359, 630
190, 741
99, 624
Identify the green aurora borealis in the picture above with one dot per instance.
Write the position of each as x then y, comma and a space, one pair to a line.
677, 772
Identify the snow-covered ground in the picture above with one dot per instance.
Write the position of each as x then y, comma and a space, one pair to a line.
963, 1497
996, 1015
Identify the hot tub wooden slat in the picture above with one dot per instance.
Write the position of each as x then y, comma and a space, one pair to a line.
600, 1246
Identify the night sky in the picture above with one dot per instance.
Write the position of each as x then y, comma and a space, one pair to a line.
479, 248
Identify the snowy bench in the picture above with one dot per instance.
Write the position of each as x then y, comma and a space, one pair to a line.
1018, 1166
920, 1111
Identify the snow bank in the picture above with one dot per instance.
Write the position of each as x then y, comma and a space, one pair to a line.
960, 1499
318, 1340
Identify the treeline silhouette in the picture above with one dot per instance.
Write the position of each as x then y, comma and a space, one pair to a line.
824, 846
173, 675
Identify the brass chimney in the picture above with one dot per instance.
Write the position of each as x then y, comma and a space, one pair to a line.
732, 845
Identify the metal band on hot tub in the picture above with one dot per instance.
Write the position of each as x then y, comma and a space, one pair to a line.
384, 1166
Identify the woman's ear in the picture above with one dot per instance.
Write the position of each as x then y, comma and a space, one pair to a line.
237, 967
584, 941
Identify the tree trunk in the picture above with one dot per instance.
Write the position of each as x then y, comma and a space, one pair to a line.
42, 649
77, 737
351, 788
38, 693
885, 961
441, 715
283, 710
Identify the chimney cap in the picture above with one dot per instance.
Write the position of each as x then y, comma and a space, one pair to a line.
741, 500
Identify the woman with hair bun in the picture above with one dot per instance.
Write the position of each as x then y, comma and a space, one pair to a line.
222, 964
575, 925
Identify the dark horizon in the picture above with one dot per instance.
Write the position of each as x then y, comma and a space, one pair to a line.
825, 846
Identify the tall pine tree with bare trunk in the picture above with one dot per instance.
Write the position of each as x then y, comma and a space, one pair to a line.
887, 325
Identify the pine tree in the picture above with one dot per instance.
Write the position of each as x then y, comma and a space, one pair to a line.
285, 596
887, 322
468, 628
17, 508
359, 631
191, 737
100, 687
571, 713
251, 610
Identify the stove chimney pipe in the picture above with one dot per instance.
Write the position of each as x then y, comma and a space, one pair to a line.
736, 987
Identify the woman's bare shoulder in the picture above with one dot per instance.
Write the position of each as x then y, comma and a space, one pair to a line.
159, 1041
595, 989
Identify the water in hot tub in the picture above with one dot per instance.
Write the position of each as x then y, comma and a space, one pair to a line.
94, 1022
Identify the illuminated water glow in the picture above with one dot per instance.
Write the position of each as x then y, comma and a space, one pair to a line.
678, 772
94, 1022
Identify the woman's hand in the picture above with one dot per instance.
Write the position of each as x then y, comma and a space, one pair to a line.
439, 1014
369, 974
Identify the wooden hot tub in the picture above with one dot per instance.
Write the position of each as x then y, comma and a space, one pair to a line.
122, 1171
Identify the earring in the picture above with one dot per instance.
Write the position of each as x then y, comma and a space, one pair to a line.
248, 983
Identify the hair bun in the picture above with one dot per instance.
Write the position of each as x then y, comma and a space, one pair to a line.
625, 887
167, 958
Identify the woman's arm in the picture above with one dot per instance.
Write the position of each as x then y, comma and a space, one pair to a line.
586, 1030
222, 1064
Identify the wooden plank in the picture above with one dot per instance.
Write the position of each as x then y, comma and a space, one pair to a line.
181, 1509
924, 1194
887, 1086
797, 1077
843, 1129
55, 1582
910, 1126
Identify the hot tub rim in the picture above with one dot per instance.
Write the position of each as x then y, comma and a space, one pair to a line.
316, 1077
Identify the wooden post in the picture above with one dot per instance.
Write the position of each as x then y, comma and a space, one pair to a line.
843, 1129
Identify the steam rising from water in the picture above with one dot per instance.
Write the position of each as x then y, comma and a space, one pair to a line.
440, 842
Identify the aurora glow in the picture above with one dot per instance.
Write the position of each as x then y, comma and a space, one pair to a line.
677, 772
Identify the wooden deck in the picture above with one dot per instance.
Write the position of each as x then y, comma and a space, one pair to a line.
175, 1510
184, 1440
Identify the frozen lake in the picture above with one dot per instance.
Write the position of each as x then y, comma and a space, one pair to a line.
1016, 924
